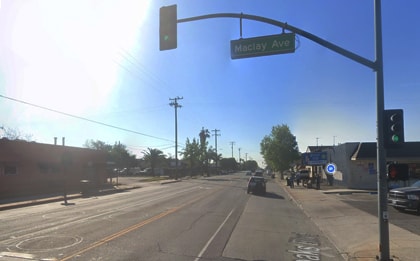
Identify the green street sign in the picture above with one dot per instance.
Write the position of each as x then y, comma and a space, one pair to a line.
264, 45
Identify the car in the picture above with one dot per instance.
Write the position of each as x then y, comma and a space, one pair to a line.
145, 172
405, 198
256, 185
302, 175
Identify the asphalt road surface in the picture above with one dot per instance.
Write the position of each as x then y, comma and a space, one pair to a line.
197, 219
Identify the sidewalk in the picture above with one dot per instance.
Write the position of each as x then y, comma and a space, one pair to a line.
354, 232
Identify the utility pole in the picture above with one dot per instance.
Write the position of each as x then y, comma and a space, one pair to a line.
239, 149
231, 144
176, 105
215, 144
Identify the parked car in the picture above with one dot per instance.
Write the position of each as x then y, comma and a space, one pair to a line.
405, 197
145, 172
256, 185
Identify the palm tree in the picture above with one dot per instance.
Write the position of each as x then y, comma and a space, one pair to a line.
153, 157
204, 135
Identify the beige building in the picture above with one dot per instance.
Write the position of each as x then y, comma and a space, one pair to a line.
357, 164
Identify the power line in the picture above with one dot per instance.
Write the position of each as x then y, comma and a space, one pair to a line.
85, 119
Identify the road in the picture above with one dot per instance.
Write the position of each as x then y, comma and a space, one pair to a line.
197, 219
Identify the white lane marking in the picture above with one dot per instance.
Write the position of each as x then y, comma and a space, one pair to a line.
17, 255
211, 239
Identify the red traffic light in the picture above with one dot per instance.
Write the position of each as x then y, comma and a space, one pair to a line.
398, 172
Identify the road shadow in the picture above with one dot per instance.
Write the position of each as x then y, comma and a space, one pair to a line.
273, 195
269, 195
68, 204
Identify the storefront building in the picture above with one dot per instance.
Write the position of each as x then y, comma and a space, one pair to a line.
357, 164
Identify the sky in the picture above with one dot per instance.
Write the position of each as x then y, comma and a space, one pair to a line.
92, 70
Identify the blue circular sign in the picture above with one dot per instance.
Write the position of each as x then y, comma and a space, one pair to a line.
331, 168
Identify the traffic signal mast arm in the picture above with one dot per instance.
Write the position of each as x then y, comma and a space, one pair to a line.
296, 30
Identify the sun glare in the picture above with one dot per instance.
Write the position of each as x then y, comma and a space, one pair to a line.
70, 50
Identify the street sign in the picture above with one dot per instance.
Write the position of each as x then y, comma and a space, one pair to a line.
314, 158
264, 45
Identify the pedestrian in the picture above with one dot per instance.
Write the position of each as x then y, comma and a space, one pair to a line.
292, 180
318, 181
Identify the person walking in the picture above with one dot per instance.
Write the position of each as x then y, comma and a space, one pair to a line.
292, 180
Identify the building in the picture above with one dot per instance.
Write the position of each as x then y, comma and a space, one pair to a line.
29, 168
357, 163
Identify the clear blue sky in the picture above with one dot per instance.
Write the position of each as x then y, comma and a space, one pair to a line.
100, 60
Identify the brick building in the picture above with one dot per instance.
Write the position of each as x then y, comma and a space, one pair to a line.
29, 168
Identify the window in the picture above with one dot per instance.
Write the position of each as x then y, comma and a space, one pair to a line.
10, 170
47, 168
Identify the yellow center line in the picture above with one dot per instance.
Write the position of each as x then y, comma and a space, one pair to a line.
132, 228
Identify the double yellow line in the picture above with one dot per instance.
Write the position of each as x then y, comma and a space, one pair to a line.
132, 228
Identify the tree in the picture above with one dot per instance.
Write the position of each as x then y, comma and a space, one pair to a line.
153, 157
280, 149
204, 135
118, 153
121, 156
212, 156
191, 153
97, 145
250, 165
15, 134
228, 164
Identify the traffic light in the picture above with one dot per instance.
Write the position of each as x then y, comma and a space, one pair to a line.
168, 28
393, 128
398, 171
